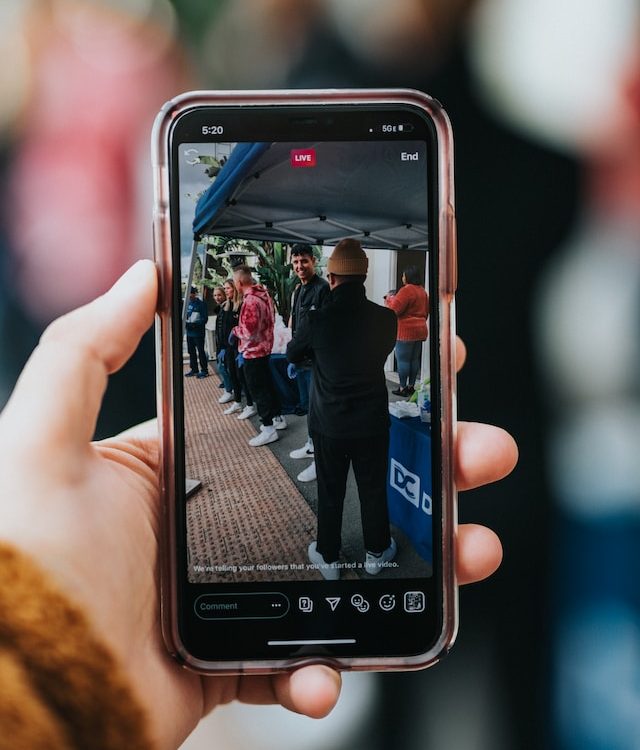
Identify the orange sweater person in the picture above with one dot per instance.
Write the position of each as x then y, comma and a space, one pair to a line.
411, 305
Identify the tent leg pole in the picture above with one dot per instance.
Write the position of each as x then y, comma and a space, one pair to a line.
192, 263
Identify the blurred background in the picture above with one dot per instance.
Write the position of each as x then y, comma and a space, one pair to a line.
544, 98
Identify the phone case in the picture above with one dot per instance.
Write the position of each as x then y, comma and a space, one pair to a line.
164, 361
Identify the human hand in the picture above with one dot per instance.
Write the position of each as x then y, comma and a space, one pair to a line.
221, 355
240, 361
89, 513
483, 454
233, 339
292, 370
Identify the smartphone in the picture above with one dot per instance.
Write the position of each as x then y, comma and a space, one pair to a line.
347, 194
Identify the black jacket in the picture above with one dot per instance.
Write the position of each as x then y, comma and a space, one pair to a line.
348, 340
226, 321
310, 296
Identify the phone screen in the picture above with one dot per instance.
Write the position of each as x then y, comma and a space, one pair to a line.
306, 382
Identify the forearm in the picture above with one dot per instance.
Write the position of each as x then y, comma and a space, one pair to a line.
397, 302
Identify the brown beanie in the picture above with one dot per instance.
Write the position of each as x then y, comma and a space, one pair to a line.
348, 259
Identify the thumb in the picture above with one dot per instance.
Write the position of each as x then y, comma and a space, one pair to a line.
58, 395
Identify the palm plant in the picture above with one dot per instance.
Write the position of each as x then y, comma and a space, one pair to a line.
221, 250
276, 274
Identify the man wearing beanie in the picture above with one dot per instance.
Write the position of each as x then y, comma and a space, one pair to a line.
348, 341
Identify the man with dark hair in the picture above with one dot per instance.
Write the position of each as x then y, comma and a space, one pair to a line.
255, 336
310, 294
195, 328
349, 341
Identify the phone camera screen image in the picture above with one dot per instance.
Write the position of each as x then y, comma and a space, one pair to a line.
306, 384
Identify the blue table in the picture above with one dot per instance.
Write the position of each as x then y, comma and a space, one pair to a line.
409, 482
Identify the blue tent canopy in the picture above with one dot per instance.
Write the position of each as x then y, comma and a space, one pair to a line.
372, 191
240, 162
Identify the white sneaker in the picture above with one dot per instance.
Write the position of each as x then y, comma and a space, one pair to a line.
309, 474
235, 406
330, 571
225, 398
305, 452
373, 563
247, 412
267, 435
280, 423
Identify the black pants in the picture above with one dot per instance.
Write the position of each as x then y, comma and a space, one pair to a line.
195, 347
238, 380
370, 458
263, 391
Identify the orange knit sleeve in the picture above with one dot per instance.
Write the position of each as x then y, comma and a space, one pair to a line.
60, 687
400, 300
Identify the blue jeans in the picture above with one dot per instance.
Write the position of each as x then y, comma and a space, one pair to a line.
224, 376
408, 355
303, 379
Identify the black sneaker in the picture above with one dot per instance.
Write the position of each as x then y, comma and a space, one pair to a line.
203, 374
190, 374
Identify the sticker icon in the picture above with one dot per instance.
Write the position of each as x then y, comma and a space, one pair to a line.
333, 601
360, 603
387, 602
414, 601
305, 604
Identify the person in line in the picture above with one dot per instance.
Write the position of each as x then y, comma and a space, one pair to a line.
349, 341
229, 356
82, 663
195, 326
255, 336
220, 299
411, 305
310, 294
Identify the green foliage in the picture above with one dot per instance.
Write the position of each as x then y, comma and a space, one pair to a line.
321, 261
276, 274
197, 272
197, 279
219, 267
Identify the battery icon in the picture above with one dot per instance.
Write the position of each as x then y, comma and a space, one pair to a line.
400, 128
405, 128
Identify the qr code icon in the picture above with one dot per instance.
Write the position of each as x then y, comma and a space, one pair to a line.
414, 601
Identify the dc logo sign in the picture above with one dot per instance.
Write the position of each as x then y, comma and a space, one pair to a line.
407, 484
